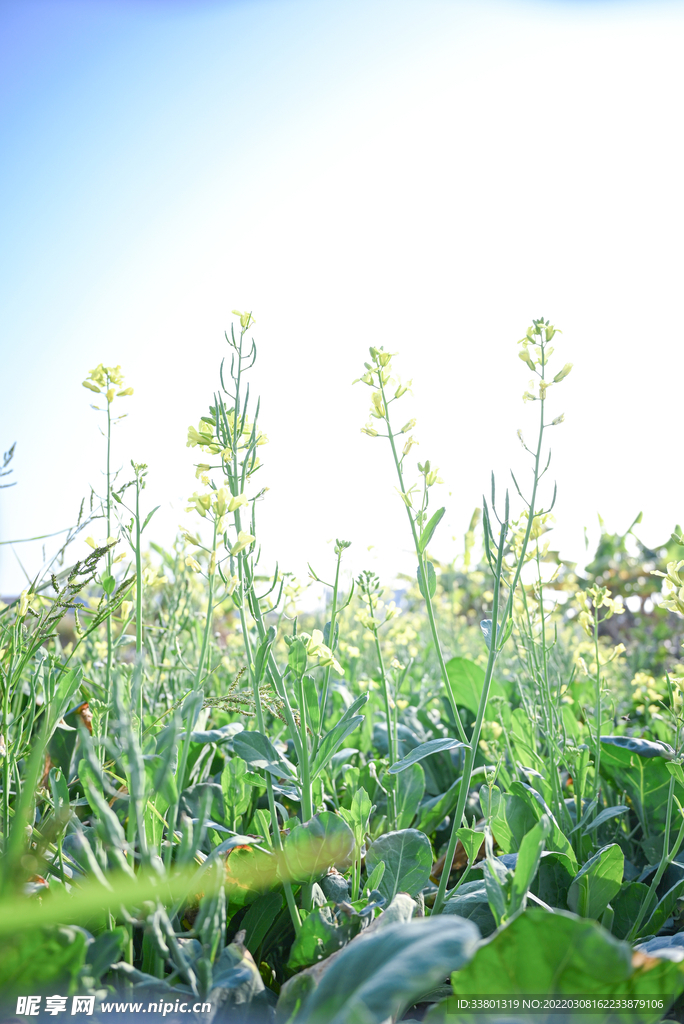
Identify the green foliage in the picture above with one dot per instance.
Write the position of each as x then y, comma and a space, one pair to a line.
206, 789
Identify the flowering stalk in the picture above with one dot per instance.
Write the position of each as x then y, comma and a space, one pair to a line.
106, 380
369, 584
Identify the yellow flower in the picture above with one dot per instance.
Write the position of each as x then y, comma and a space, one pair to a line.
377, 406
246, 319
200, 503
193, 564
93, 387
243, 541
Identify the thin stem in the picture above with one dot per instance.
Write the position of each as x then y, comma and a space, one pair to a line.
422, 561
210, 610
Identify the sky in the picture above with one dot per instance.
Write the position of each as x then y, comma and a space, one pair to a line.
427, 175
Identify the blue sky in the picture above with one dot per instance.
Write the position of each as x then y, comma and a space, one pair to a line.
426, 174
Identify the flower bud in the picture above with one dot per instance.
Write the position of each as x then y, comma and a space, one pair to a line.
110, 395
407, 426
193, 564
93, 387
126, 391
563, 373
524, 354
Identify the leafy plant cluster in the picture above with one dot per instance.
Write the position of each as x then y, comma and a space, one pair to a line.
468, 787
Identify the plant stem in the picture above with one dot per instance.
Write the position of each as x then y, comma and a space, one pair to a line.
210, 610
422, 561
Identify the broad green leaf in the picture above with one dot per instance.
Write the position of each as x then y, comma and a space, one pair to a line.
408, 861
426, 535
512, 817
310, 849
377, 977
470, 901
626, 906
424, 750
554, 877
31, 961
467, 680
597, 882
258, 751
557, 954
320, 936
409, 791
431, 580
527, 863
642, 771
557, 839
259, 919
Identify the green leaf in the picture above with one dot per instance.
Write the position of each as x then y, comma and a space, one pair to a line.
645, 776
320, 936
32, 961
605, 815
527, 863
258, 751
377, 977
471, 841
338, 734
148, 517
424, 750
259, 919
375, 877
436, 808
470, 901
408, 861
663, 910
313, 710
311, 848
467, 680
426, 535
626, 906
262, 653
108, 584
106, 950
598, 881
675, 768
431, 580
409, 791
237, 794
560, 954
297, 657
512, 817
